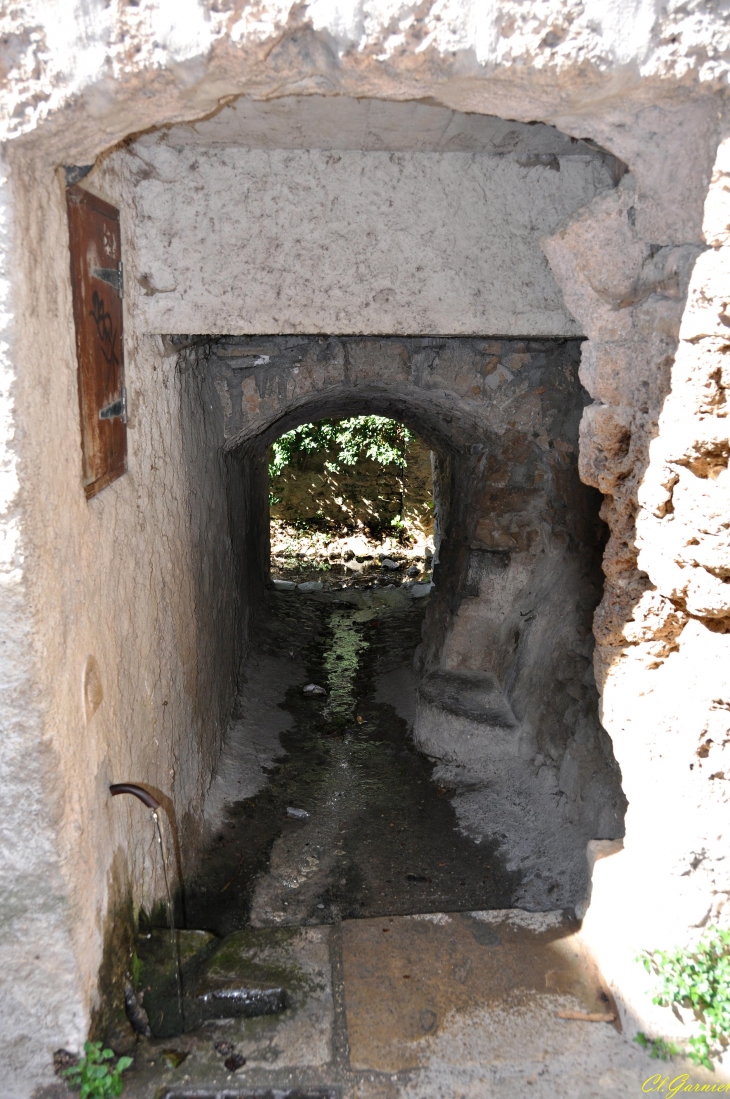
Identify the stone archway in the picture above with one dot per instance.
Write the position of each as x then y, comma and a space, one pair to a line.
507, 697
623, 264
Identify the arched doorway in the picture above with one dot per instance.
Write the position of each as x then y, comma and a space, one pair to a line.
505, 709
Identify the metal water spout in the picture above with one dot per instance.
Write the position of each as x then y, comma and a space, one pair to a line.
138, 791
152, 803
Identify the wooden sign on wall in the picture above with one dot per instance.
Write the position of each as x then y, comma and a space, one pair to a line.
96, 280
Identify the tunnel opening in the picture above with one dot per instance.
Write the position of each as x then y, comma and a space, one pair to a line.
350, 823
504, 696
426, 743
397, 748
351, 505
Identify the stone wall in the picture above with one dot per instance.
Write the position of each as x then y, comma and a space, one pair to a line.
366, 494
654, 442
518, 575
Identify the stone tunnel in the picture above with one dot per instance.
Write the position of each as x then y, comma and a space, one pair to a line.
518, 575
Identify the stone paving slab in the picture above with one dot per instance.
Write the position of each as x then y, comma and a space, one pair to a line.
299, 1039
410, 981
436, 1006
465, 1006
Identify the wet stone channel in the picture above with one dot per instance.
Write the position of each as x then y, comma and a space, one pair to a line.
381, 836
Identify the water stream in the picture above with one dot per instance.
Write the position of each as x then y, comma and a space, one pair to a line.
382, 836
171, 920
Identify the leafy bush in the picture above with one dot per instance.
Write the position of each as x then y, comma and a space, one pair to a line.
375, 437
94, 1077
698, 978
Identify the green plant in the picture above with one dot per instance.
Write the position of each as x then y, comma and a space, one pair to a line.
375, 437
697, 978
136, 970
94, 1077
658, 1048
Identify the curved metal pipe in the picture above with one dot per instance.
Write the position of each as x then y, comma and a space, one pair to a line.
138, 791
152, 803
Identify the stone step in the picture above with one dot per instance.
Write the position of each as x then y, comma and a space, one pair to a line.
474, 695
228, 978
463, 717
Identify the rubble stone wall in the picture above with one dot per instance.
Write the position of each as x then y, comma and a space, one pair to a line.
364, 494
518, 576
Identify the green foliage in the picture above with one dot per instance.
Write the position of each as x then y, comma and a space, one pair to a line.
658, 1048
697, 978
136, 970
94, 1077
375, 437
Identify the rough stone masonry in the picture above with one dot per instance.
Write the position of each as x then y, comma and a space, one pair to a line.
608, 220
507, 699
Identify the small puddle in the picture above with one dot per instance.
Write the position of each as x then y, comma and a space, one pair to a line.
381, 837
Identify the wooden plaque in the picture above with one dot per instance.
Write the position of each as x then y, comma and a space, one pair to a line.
96, 281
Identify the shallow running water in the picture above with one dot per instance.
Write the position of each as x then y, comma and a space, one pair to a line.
381, 837
171, 920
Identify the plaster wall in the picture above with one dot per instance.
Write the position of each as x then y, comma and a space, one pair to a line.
36, 923
233, 239
140, 579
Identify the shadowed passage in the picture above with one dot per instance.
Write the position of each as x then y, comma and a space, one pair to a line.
376, 835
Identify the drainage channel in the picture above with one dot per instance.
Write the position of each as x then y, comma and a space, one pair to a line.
381, 837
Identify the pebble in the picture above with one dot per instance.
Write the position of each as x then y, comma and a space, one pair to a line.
389, 563
298, 814
413, 571
284, 585
310, 585
419, 590
313, 689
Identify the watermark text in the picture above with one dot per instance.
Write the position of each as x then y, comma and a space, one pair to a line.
664, 1086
